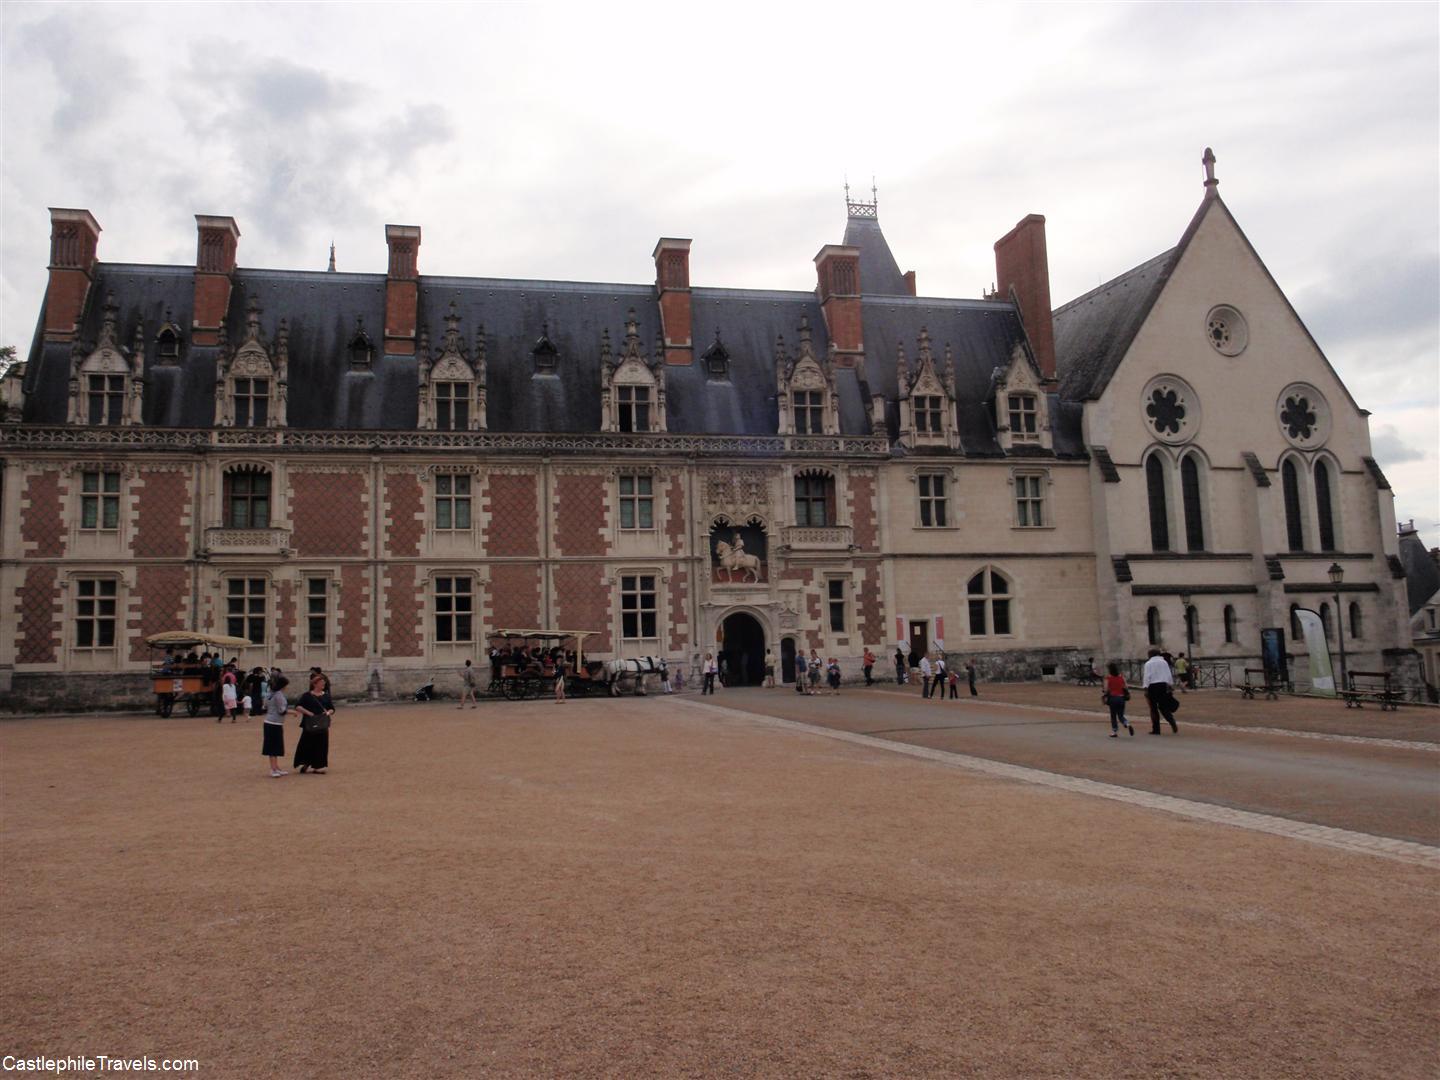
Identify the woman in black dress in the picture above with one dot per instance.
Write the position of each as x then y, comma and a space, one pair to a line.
312, 752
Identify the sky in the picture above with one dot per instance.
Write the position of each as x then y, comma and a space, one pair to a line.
560, 141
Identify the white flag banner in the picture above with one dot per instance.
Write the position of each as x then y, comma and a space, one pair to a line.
939, 624
902, 639
1322, 675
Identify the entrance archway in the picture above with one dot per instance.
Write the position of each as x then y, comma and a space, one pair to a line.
787, 660
743, 647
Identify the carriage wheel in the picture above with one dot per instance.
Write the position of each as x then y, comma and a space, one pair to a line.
193, 705
536, 687
513, 689
164, 704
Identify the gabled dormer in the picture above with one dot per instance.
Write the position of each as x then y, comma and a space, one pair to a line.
452, 388
251, 379
1022, 413
805, 389
360, 352
168, 342
632, 387
107, 381
927, 398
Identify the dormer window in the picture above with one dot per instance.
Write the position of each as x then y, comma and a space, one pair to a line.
633, 403
929, 409
927, 396
452, 406
717, 360
632, 387
106, 396
107, 382
805, 389
252, 402
361, 351
252, 379
167, 346
546, 356
1024, 418
452, 385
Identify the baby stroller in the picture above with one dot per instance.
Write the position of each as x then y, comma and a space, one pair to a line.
426, 692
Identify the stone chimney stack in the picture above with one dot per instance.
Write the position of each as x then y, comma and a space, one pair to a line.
218, 237
74, 236
837, 268
672, 283
1022, 273
402, 288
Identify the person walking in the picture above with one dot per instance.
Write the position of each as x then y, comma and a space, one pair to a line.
970, 675
467, 686
561, 660
770, 668
229, 693
711, 670
273, 744
1158, 682
1182, 673
312, 752
813, 671
1116, 694
869, 664
937, 688
899, 666
800, 671
925, 670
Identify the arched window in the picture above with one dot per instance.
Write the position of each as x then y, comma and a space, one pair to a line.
1192, 625
247, 498
1323, 511
167, 344
1296, 634
814, 499
1152, 625
1357, 628
1190, 497
1294, 531
1325, 620
1229, 624
988, 593
1159, 515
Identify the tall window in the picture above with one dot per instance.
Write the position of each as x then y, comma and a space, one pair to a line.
1323, 506
452, 501
637, 607
809, 413
1325, 620
454, 609
1159, 512
814, 500
317, 610
837, 605
1294, 531
988, 594
107, 399
252, 402
247, 500
1029, 500
927, 414
1190, 497
245, 609
634, 407
95, 613
637, 502
1023, 424
452, 406
1229, 624
99, 500
1152, 626
1356, 627
1192, 625
1296, 634
932, 501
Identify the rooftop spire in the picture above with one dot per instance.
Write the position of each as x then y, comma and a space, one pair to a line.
331, 267
868, 210
1209, 162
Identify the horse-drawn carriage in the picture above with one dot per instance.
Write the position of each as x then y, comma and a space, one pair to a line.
177, 681
525, 667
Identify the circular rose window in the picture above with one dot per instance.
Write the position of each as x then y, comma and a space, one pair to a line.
1303, 415
1226, 329
1171, 409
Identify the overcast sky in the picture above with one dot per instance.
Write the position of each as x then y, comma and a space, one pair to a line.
558, 141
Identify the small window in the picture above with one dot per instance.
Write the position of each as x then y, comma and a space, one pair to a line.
932, 501
1229, 624
107, 399
167, 346
927, 415
545, 355
247, 500
99, 501
1024, 421
454, 609
717, 360
809, 412
637, 607
1029, 501
361, 351
245, 609
252, 402
988, 596
837, 605
1357, 627
1152, 626
814, 500
452, 406
95, 613
637, 502
317, 610
452, 501
634, 407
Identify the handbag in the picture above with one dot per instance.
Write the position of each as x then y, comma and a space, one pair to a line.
1104, 699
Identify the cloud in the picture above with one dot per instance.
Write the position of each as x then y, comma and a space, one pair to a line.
1390, 449
91, 75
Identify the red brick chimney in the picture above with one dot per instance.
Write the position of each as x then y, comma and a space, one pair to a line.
910, 282
214, 276
838, 269
1022, 269
74, 236
672, 282
402, 288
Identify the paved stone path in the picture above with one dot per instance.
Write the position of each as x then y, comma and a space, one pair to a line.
1343, 839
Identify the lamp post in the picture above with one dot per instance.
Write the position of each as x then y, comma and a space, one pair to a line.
1189, 643
1337, 575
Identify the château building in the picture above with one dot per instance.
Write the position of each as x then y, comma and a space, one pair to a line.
372, 472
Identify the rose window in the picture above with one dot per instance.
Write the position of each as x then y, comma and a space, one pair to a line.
1166, 411
1303, 415
1226, 329
1171, 410
1298, 418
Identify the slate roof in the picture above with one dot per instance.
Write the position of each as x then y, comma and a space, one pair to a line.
1094, 331
879, 272
1422, 576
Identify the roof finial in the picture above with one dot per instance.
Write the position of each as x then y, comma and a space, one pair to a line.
855, 209
874, 195
1209, 162
331, 268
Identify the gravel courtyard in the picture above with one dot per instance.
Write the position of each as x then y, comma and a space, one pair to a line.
640, 887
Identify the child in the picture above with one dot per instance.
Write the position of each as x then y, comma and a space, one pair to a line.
246, 705
954, 684
1116, 694
832, 675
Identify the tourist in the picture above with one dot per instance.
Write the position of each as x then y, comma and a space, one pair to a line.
1158, 682
800, 672
711, 670
229, 694
560, 668
925, 671
869, 664
970, 674
899, 667
954, 684
273, 744
832, 675
1116, 694
770, 668
312, 752
812, 671
325, 678
938, 686
467, 686
1182, 673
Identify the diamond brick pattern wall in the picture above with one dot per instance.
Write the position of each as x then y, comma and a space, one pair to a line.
354, 610
870, 619
40, 609
675, 521
513, 518
582, 601
863, 514
330, 511
404, 511
285, 621
161, 602
402, 612
162, 516
515, 596
580, 514
41, 526
679, 589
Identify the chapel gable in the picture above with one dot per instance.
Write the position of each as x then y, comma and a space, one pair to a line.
805, 388
107, 381
452, 385
632, 386
927, 398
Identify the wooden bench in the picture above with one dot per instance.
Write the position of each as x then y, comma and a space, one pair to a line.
1371, 686
1268, 685
1084, 675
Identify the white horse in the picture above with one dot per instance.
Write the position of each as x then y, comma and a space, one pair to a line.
732, 559
635, 669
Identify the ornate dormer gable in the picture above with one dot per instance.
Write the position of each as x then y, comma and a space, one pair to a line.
927, 397
360, 352
107, 381
452, 389
805, 389
717, 360
632, 386
252, 380
168, 341
545, 356
1022, 411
